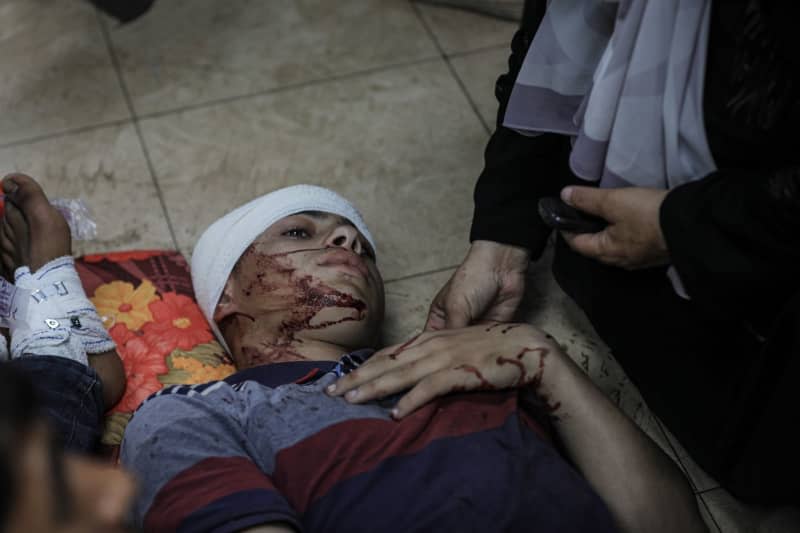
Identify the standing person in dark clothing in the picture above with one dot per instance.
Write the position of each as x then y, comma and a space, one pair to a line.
693, 283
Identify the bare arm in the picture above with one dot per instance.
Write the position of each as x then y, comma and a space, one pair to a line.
643, 488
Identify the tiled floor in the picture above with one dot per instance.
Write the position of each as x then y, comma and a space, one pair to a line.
164, 124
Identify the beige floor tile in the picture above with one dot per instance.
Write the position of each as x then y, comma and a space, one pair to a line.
56, 71
461, 31
407, 303
184, 52
731, 515
106, 168
700, 479
479, 72
711, 524
403, 145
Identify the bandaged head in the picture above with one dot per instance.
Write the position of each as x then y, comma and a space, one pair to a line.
223, 242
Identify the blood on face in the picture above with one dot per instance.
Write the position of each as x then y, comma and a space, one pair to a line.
301, 296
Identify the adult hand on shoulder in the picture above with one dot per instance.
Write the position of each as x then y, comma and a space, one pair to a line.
482, 357
633, 237
488, 286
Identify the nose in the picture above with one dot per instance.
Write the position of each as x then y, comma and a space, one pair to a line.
344, 236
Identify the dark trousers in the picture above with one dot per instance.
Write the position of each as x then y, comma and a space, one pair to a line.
71, 395
727, 395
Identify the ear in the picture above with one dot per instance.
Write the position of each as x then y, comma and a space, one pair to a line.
227, 305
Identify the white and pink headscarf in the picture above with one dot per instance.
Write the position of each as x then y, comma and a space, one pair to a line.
625, 79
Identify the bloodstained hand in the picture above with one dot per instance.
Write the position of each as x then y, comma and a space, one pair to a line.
500, 356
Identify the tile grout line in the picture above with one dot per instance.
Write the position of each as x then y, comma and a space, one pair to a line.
450, 67
64, 133
221, 101
284, 88
476, 51
683, 465
708, 510
677, 455
697, 494
420, 274
132, 110
233, 98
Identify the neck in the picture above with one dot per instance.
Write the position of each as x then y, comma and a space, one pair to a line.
255, 342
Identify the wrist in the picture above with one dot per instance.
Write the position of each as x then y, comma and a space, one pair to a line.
503, 256
552, 368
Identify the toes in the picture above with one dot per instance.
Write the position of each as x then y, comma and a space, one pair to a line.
29, 198
14, 223
22, 189
6, 252
13, 238
36, 214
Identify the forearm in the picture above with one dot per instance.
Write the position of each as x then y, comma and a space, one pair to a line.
643, 488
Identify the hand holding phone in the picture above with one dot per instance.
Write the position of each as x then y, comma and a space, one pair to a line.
558, 215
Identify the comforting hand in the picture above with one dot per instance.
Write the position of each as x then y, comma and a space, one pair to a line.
482, 357
488, 286
633, 237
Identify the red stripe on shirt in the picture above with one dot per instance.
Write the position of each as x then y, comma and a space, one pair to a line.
308, 469
199, 485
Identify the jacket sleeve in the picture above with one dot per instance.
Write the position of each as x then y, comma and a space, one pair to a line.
518, 169
733, 238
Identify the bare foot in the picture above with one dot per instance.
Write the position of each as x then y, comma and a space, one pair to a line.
35, 229
33, 233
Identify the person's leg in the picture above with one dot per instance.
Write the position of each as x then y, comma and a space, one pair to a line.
76, 375
72, 396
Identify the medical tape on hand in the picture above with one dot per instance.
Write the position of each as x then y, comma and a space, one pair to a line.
51, 304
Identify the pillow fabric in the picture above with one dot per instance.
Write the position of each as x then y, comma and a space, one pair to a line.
147, 302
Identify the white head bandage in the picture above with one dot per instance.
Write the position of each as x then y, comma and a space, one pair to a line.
223, 243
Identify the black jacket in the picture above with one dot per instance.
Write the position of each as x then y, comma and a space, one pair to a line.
734, 236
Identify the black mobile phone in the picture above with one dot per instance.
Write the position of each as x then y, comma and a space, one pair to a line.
558, 215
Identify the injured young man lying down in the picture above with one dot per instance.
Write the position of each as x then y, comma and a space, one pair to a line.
488, 428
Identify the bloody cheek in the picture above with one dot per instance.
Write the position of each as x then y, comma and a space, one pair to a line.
302, 295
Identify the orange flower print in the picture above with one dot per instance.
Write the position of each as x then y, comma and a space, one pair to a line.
120, 302
200, 373
142, 366
121, 334
177, 323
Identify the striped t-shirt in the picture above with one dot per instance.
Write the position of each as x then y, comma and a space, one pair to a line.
268, 445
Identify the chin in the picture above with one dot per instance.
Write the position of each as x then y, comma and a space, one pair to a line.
348, 327
353, 335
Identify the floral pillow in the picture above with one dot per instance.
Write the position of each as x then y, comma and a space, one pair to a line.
147, 300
